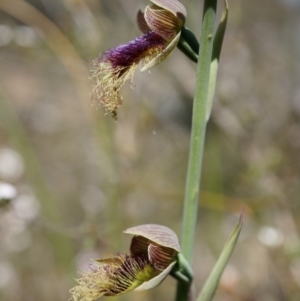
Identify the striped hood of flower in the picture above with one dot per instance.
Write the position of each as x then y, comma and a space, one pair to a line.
152, 256
161, 25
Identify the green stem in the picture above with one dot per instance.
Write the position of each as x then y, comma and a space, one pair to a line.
197, 139
198, 130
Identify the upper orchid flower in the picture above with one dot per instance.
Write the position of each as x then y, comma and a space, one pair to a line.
152, 256
161, 24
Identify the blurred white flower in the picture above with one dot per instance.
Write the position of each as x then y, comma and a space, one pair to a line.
17, 242
270, 236
26, 207
7, 191
11, 164
11, 223
26, 36
7, 274
6, 35
16, 236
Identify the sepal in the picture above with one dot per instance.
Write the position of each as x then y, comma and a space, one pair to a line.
189, 44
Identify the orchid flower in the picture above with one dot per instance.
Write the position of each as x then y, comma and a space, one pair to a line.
161, 25
152, 256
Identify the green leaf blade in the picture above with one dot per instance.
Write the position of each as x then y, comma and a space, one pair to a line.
211, 284
217, 47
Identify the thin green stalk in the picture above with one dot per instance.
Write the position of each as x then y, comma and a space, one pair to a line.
198, 130
197, 139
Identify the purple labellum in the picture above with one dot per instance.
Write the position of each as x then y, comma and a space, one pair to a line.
117, 65
128, 54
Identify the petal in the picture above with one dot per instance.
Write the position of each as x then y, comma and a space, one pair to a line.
160, 235
139, 246
172, 6
160, 257
156, 280
142, 24
162, 55
162, 22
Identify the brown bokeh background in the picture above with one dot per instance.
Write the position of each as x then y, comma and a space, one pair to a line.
82, 178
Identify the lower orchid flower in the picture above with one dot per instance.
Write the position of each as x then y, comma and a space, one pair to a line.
161, 24
152, 256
